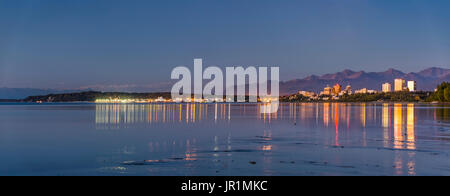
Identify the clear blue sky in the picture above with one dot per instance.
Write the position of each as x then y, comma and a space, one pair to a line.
74, 43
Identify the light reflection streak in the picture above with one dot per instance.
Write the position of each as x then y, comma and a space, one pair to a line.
386, 124
115, 116
411, 137
337, 124
363, 114
398, 126
403, 120
326, 114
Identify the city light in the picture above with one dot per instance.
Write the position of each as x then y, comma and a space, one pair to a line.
119, 100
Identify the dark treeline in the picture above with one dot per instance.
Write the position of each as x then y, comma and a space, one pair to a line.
91, 96
442, 94
387, 97
376, 97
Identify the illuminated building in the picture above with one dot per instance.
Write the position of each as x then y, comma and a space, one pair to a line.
336, 89
160, 99
327, 91
361, 91
412, 86
307, 93
386, 88
399, 85
348, 90
365, 91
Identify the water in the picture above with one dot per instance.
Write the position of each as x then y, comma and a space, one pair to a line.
224, 139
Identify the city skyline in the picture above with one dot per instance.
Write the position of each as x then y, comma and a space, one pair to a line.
426, 80
337, 91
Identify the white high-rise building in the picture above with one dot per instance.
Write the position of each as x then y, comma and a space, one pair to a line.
386, 88
399, 85
412, 86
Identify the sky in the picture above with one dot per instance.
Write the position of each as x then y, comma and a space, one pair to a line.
67, 44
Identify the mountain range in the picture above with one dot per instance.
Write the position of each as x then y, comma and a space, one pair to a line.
427, 80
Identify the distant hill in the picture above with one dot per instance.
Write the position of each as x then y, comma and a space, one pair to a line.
91, 96
21, 93
427, 80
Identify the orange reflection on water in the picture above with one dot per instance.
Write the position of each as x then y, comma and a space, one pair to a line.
336, 122
411, 137
363, 114
402, 138
326, 114
347, 116
386, 118
386, 124
398, 126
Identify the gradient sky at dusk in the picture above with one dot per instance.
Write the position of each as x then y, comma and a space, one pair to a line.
76, 43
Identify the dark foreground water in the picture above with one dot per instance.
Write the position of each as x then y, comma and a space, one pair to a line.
224, 139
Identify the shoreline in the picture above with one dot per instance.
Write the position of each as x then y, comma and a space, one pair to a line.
330, 102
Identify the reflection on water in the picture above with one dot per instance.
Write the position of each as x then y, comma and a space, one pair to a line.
188, 146
386, 124
341, 125
225, 139
397, 120
114, 116
398, 126
442, 114
411, 121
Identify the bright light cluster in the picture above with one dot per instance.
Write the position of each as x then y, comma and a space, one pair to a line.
162, 100
118, 100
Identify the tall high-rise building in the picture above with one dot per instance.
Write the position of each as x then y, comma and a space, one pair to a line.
412, 86
386, 88
337, 89
399, 85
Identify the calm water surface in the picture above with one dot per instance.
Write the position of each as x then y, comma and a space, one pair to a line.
224, 139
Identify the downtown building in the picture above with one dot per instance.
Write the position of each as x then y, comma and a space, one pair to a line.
402, 85
386, 87
399, 85
412, 86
